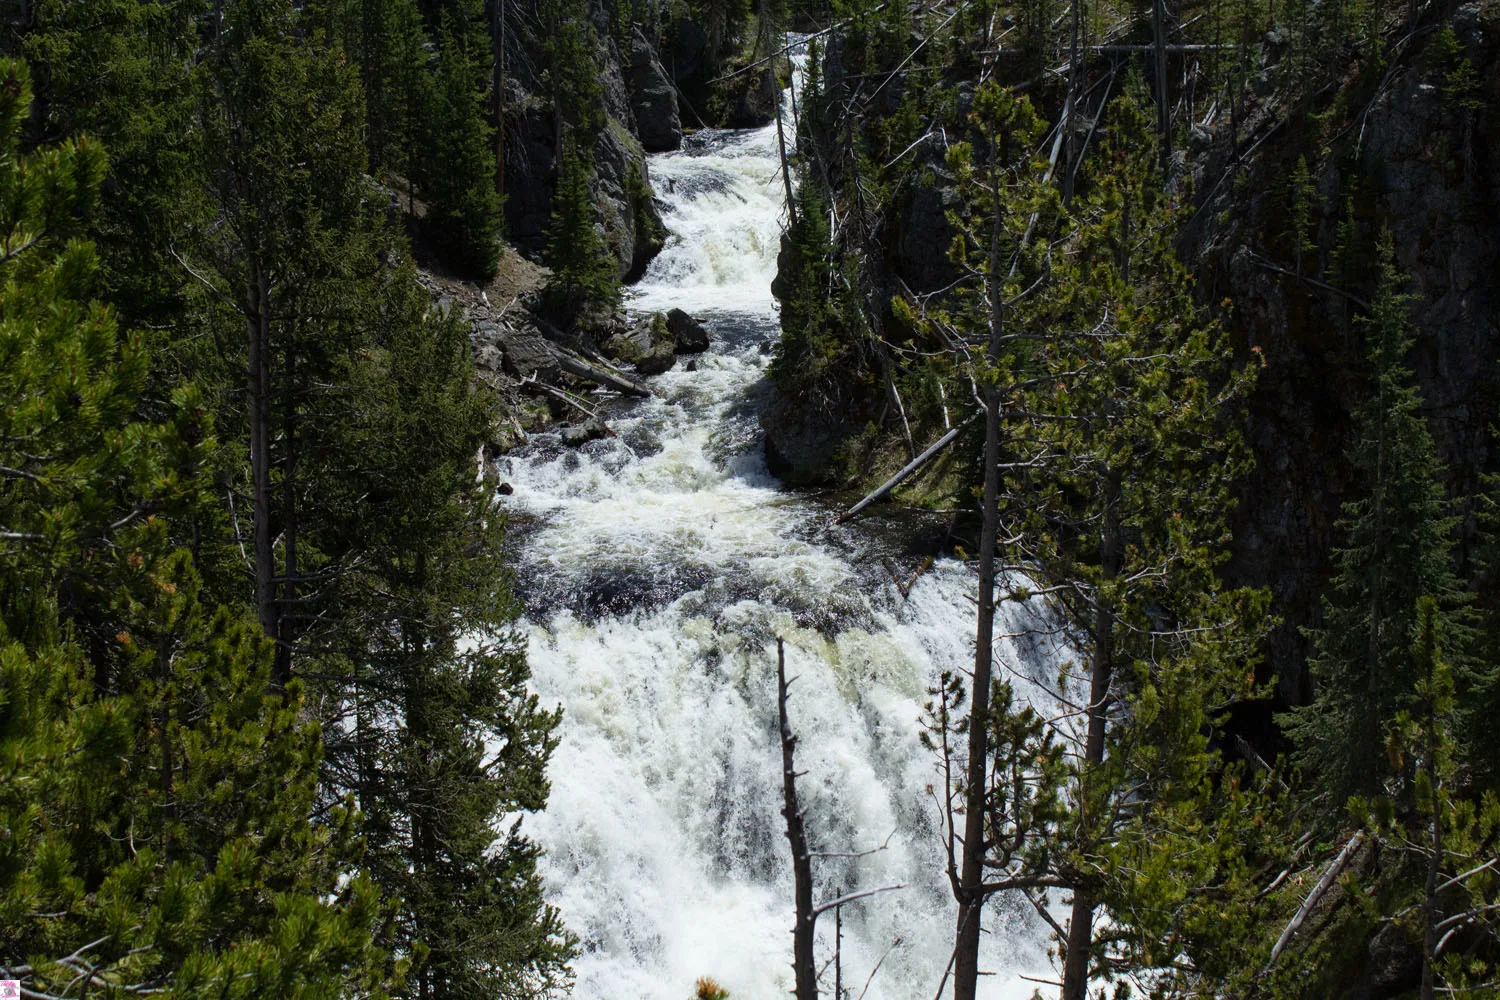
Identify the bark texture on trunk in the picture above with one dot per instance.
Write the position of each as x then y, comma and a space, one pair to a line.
1163, 105
1101, 670
971, 873
806, 975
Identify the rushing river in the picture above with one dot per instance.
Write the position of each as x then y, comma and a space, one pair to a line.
657, 569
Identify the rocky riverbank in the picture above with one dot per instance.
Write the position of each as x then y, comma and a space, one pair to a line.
545, 377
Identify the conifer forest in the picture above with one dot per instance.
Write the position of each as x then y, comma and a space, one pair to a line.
734, 499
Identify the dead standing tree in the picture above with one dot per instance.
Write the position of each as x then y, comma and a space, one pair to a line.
804, 963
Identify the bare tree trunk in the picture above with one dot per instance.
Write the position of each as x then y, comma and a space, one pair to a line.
1163, 105
258, 363
1080, 924
796, 834
1075, 77
971, 873
838, 953
786, 175
497, 98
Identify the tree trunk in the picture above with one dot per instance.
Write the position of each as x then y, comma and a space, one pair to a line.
786, 174
258, 363
497, 98
971, 873
1163, 107
1075, 76
283, 664
1435, 842
1081, 923
796, 834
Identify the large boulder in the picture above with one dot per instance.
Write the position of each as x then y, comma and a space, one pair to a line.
647, 345
687, 333
803, 447
526, 354
575, 435
653, 97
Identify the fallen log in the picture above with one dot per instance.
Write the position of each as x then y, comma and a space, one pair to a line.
561, 395
1313, 897
906, 471
576, 366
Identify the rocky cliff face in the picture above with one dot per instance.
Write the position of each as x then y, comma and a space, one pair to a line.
1413, 152
1410, 156
641, 107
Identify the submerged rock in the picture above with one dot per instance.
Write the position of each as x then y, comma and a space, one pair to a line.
575, 435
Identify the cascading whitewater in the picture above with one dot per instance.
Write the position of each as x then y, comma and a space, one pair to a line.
657, 568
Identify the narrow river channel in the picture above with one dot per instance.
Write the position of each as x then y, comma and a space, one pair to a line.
657, 568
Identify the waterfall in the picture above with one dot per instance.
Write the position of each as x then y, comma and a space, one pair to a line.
657, 568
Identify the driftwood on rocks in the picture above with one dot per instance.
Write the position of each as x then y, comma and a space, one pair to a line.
533, 384
579, 368
905, 472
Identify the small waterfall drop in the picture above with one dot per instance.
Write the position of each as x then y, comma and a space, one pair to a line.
657, 568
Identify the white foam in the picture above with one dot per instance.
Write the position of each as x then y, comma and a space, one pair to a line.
665, 843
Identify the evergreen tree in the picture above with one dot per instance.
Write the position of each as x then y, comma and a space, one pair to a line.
1397, 547
120, 71
400, 96
458, 173
583, 272
1304, 200
815, 309
1113, 475
155, 796
1478, 677
431, 724
1137, 415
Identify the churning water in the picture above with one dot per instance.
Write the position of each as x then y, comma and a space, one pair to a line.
657, 569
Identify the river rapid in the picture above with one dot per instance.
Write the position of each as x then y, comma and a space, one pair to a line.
657, 568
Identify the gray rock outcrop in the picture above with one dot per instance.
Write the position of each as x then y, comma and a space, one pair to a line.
653, 97
1418, 165
622, 180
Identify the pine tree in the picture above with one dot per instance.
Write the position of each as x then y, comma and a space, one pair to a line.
1478, 677
432, 727
583, 272
1118, 402
1130, 517
120, 72
155, 796
465, 213
1304, 228
80, 476
1397, 547
399, 87
814, 309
